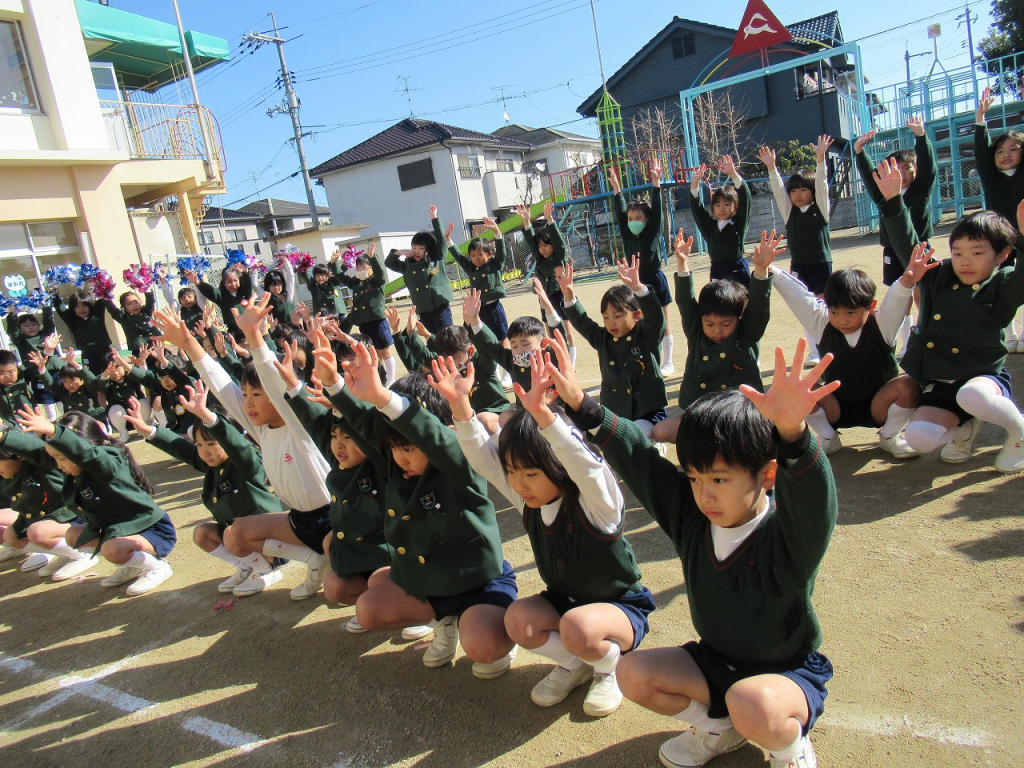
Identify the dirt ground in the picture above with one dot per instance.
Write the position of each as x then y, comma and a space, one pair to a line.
921, 598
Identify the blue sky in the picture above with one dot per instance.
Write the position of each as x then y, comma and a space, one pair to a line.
348, 55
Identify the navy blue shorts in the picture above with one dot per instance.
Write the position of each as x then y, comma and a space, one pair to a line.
654, 416
557, 299
656, 282
892, 269
378, 332
855, 413
96, 359
493, 316
813, 275
161, 535
311, 527
636, 605
41, 394
736, 270
435, 319
501, 592
942, 394
810, 673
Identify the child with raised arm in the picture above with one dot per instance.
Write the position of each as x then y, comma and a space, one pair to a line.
28, 335
166, 382
724, 227
446, 561
77, 388
594, 608
292, 461
280, 284
956, 353
640, 229
15, 384
234, 291
367, 286
628, 344
86, 318
326, 291
134, 317
425, 275
483, 265
750, 509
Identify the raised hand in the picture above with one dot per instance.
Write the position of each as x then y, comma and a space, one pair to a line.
325, 362
683, 246
492, 225
767, 156
446, 379
629, 272
240, 351
858, 145
285, 367
393, 318
563, 275
134, 417
249, 319
563, 374
766, 252
916, 125
889, 178
538, 398
614, 180
524, 214
412, 321
821, 147
158, 351
51, 342
920, 263
315, 393
471, 307
335, 255
37, 360
727, 165
362, 378
34, 420
1020, 214
218, 344
792, 395
69, 356
433, 212
451, 228
657, 168
191, 276
171, 326
984, 105
549, 210
699, 173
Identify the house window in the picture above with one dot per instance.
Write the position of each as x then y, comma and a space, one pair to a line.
683, 45
469, 166
414, 175
256, 248
504, 165
206, 237
236, 235
17, 91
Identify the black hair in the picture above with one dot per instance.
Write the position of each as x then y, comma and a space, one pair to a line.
321, 269
200, 430
362, 260
24, 318
481, 244
544, 236
803, 179
7, 357
81, 298
620, 297
414, 387
188, 290
640, 204
724, 425
125, 295
275, 277
451, 340
985, 225
727, 193
250, 377
903, 156
725, 298
71, 372
92, 431
1008, 136
525, 326
849, 289
9, 455
426, 239
521, 446
306, 347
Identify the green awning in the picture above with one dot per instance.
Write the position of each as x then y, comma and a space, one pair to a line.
143, 50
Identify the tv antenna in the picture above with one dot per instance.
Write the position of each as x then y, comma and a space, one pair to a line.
404, 88
504, 106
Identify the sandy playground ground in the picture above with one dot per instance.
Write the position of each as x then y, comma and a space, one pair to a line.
921, 598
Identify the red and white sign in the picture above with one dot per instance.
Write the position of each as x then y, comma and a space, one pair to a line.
759, 29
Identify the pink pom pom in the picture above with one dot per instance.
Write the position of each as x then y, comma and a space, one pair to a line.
139, 277
102, 286
304, 264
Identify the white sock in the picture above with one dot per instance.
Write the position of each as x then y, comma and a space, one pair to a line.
818, 421
390, 371
257, 562
51, 411
161, 418
667, 346
925, 437
558, 653
697, 715
275, 548
63, 549
572, 356
646, 427
1011, 330
895, 420
607, 663
30, 547
904, 332
222, 553
812, 348
978, 399
789, 753
143, 560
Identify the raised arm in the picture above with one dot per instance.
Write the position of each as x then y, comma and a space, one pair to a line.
821, 176
767, 156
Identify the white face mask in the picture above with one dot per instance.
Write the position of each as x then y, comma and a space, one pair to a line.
363, 274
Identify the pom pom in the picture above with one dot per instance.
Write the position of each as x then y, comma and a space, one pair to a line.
86, 273
349, 256
236, 256
66, 274
102, 285
139, 276
198, 264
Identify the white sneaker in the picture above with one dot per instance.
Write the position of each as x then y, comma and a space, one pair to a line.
559, 683
668, 368
1018, 347
353, 627
693, 748
805, 758
51, 567
122, 575
8, 552
228, 585
897, 446
830, 445
74, 567
35, 561
662, 449
957, 451
495, 668
154, 577
1011, 457
417, 632
604, 696
256, 582
444, 645
314, 580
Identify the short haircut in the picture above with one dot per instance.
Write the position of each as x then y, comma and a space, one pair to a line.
903, 156
1008, 136
802, 179
481, 244
7, 357
321, 269
724, 425
985, 225
521, 446
6, 454
25, 318
621, 297
642, 205
188, 290
250, 377
526, 325
727, 194
362, 260
450, 340
725, 298
81, 298
124, 297
426, 239
274, 277
849, 289
71, 372
415, 388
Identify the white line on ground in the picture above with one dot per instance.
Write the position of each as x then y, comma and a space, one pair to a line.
901, 725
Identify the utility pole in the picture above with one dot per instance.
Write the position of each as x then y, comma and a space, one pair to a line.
291, 108
966, 16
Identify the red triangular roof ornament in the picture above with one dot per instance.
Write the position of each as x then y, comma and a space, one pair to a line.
759, 29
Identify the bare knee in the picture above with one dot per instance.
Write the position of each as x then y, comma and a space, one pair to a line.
117, 551
634, 683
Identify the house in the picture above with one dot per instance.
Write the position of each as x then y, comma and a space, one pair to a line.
391, 179
251, 226
796, 104
553, 151
92, 146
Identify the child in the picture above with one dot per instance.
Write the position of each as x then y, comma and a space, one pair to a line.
640, 229
27, 335
548, 249
293, 464
15, 390
725, 226
998, 165
85, 317
234, 483
863, 345
34, 485
118, 390
325, 290
446, 562
594, 607
368, 307
956, 353
483, 267
187, 302
234, 291
134, 318
425, 276
168, 384
750, 510
280, 284
77, 388
107, 489
524, 335
628, 345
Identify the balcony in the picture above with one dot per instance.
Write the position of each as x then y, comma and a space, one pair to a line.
163, 131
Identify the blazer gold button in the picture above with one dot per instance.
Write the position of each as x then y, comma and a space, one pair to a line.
391, 513
341, 534
401, 550
705, 358
334, 498
930, 344
936, 316
956, 351
406, 518
722, 355
703, 385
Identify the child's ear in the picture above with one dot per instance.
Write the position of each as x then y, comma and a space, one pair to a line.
471, 350
873, 306
1000, 258
768, 475
639, 315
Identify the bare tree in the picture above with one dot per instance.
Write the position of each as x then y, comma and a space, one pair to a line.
655, 130
719, 120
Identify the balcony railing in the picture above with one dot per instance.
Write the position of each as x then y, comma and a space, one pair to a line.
163, 131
